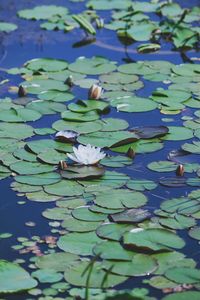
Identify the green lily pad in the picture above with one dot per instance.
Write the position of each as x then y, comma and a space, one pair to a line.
78, 243
7, 27
116, 161
30, 168
121, 198
14, 278
92, 66
130, 216
79, 127
74, 225
153, 238
39, 179
78, 274
105, 251
195, 233
134, 104
42, 12
140, 265
84, 214
177, 133
80, 117
194, 147
47, 64
51, 157
183, 275
183, 296
56, 261
162, 166
141, 185
8, 130
113, 231
107, 139
64, 188
47, 276
79, 172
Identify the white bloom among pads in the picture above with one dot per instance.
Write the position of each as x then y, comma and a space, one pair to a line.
87, 155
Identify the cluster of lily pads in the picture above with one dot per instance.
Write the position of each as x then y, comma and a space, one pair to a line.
148, 23
104, 232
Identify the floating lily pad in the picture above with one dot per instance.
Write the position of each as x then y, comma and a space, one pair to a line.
42, 12
141, 185
47, 64
195, 233
105, 251
7, 27
84, 214
78, 243
154, 238
51, 157
107, 139
112, 231
47, 276
134, 104
140, 265
116, 161
79, 127
74, 225
64, 188
92, 66
183, 296
30, 168
131, 216
56, 261
183, 275
79, 172
77, 275
120, 199
14, 278
39, 179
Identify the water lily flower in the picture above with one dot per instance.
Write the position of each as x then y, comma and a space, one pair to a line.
95, 92
87, 155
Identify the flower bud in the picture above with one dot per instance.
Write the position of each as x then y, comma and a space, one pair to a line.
21, 91
180, 170
130, 153
69, 80
95, 92
62, 165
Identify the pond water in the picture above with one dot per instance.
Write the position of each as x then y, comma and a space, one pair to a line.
172, 229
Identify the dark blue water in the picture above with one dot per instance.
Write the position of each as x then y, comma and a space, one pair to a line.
30, 42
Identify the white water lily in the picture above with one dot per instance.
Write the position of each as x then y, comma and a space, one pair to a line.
87, 155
